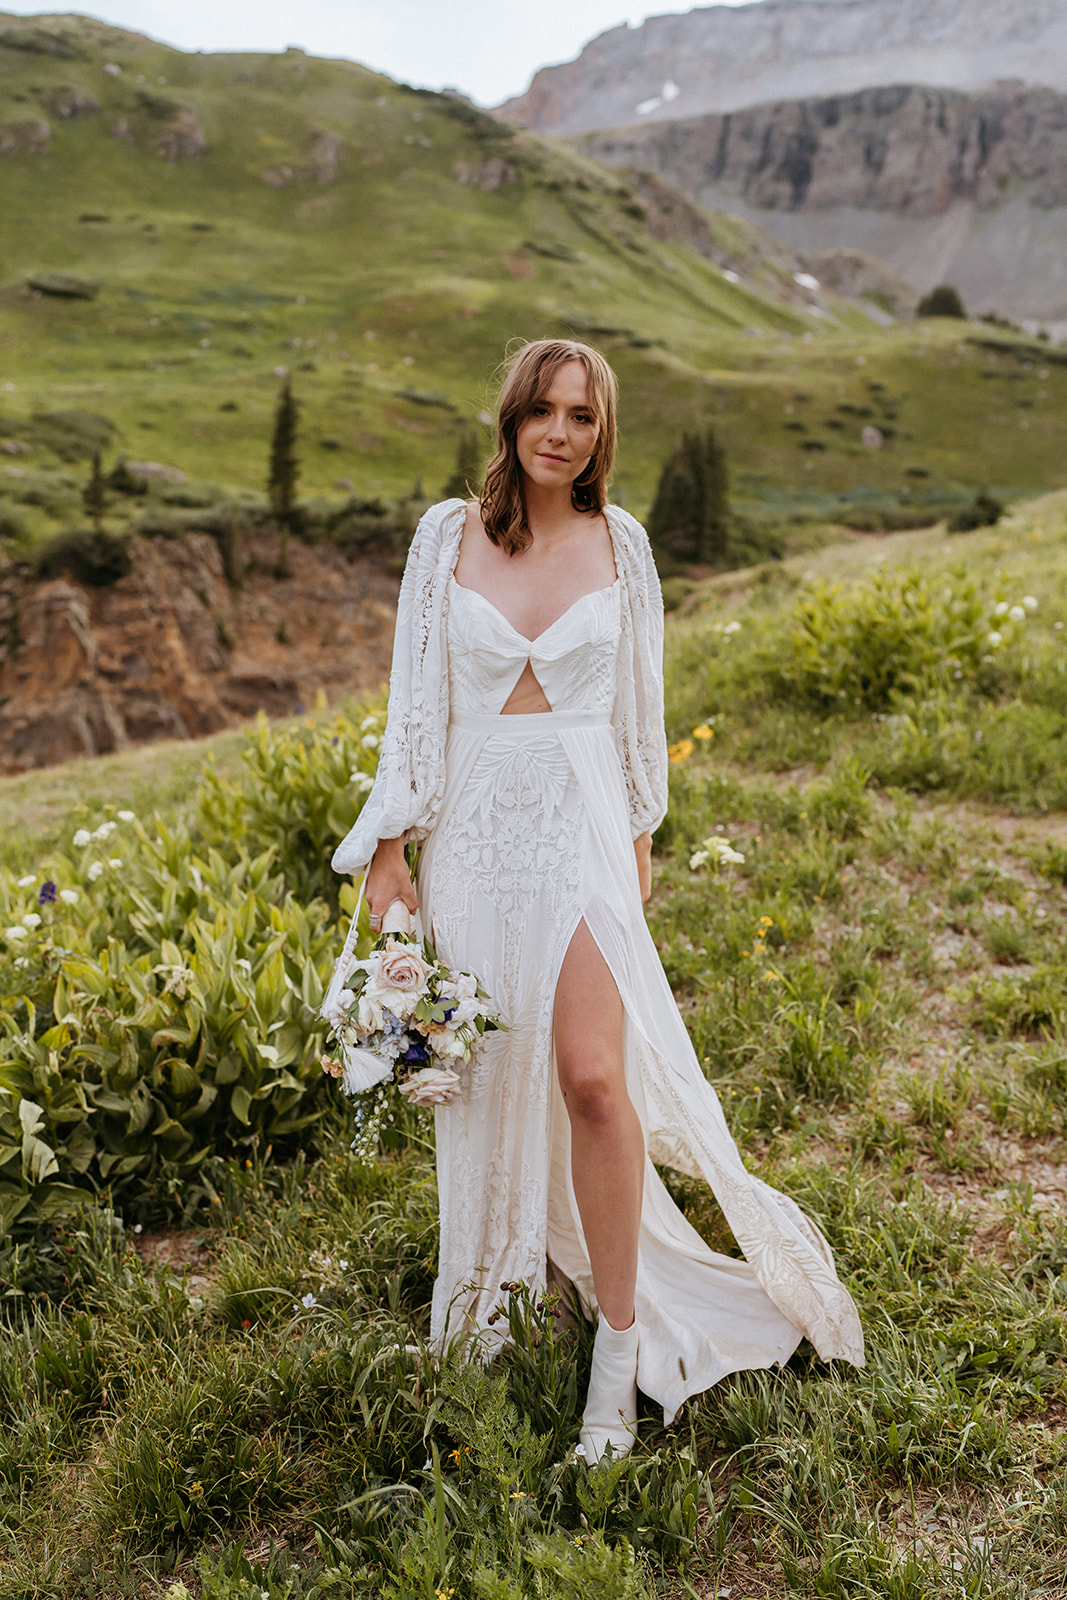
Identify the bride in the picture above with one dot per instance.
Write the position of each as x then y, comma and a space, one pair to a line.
525, 752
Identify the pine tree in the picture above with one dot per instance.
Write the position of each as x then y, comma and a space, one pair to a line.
944, 301
94, 495
284, 470
466, 478
690, 516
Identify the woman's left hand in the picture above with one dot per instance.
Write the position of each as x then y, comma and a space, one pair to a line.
643, 852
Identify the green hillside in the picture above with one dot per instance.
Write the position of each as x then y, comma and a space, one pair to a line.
240, 214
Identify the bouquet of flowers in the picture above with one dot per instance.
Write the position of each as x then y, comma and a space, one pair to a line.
400, 1016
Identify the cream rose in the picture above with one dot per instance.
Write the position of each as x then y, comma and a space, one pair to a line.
431, 1086
402, 968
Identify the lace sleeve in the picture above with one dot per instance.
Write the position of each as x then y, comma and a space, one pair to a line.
638, 716
410, 779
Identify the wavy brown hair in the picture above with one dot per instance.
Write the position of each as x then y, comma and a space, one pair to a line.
528, 377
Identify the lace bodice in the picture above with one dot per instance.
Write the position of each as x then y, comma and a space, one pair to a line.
575, 659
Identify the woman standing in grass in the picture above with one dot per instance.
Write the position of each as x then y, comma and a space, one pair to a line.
525, 752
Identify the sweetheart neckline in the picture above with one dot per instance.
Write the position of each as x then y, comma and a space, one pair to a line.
590, 594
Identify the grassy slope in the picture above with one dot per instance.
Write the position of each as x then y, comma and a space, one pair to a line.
880, 994
397, 276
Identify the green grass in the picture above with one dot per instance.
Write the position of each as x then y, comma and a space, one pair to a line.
879, 992
392, 290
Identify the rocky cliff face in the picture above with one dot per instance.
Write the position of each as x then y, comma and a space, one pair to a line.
970, 189
173, 651
719, 58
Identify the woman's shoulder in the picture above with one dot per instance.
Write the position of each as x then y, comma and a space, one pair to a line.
438, 527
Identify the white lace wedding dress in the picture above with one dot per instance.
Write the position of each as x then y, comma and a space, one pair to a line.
530, 831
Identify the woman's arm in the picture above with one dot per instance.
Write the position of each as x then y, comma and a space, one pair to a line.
388, 878
643, 852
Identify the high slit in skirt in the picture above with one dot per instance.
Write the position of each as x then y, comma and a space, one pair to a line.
531, 839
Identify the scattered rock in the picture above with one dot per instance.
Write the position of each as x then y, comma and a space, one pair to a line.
486, 175
873, 438
63, 285
183, 139
29, 136
155, 471
15, 447
69, 102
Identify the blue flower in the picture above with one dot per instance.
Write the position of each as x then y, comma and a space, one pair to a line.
417, 1050
47, 896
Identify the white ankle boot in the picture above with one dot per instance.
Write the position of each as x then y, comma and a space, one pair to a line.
611, 1404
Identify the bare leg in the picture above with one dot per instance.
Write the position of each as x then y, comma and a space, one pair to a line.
607, 1145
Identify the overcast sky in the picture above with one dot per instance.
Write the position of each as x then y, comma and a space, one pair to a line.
488, 48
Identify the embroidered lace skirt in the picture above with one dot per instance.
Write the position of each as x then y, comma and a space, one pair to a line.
531, 838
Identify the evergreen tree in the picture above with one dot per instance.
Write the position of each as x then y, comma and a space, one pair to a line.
284, 470
467, 473
94, 495
944, 301
690, 516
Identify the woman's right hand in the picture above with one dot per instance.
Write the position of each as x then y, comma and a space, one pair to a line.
389, 879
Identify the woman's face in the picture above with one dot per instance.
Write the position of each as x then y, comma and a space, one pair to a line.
556, 440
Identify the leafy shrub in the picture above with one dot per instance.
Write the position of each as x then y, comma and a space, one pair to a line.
73, 435
94, 557
944, 301
896, 634
11, 524
983, 512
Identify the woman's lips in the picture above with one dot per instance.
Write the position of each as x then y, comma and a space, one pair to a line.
547, 456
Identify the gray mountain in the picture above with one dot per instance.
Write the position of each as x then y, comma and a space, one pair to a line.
721, 58
942, 186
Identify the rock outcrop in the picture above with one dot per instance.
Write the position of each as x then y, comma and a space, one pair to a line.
720, 58
968, 189
173, 652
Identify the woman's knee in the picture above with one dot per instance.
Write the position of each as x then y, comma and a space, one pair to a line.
594, 1089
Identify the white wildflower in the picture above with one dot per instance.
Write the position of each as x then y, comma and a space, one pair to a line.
715, 850
363, 782
343, 1265
115, 861
69, 897
371, 741
698, 859
105, 830
31, 920
126, 816
20, 963
1029, 602
1017, 614
995, 639
82, 838
368, 722
732, 627
16, 933
308, 1300
24, 883
95, 871
1001, 608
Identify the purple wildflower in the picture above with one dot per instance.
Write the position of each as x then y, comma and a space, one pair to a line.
47, 896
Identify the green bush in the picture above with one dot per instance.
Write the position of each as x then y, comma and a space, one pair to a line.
983, 512
944, 301
90, 556
896, 634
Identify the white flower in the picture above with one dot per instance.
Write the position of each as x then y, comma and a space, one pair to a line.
1001, 608
16, 933
368, 722
105, 830
69, 897
369, 1012
732, 627
95, 871
126, 816
20, 963
1029, 602
698, 859
31, 920
82, 838
371, 741
115, 861
343, 1265
308, 1300
995, 639
24, 883
716, 850
1017, 614
363, 782
430, 1086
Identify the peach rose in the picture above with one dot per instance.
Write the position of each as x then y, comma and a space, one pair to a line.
431, 1086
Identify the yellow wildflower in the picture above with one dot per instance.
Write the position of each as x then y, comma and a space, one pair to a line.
681, 751
703, 732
